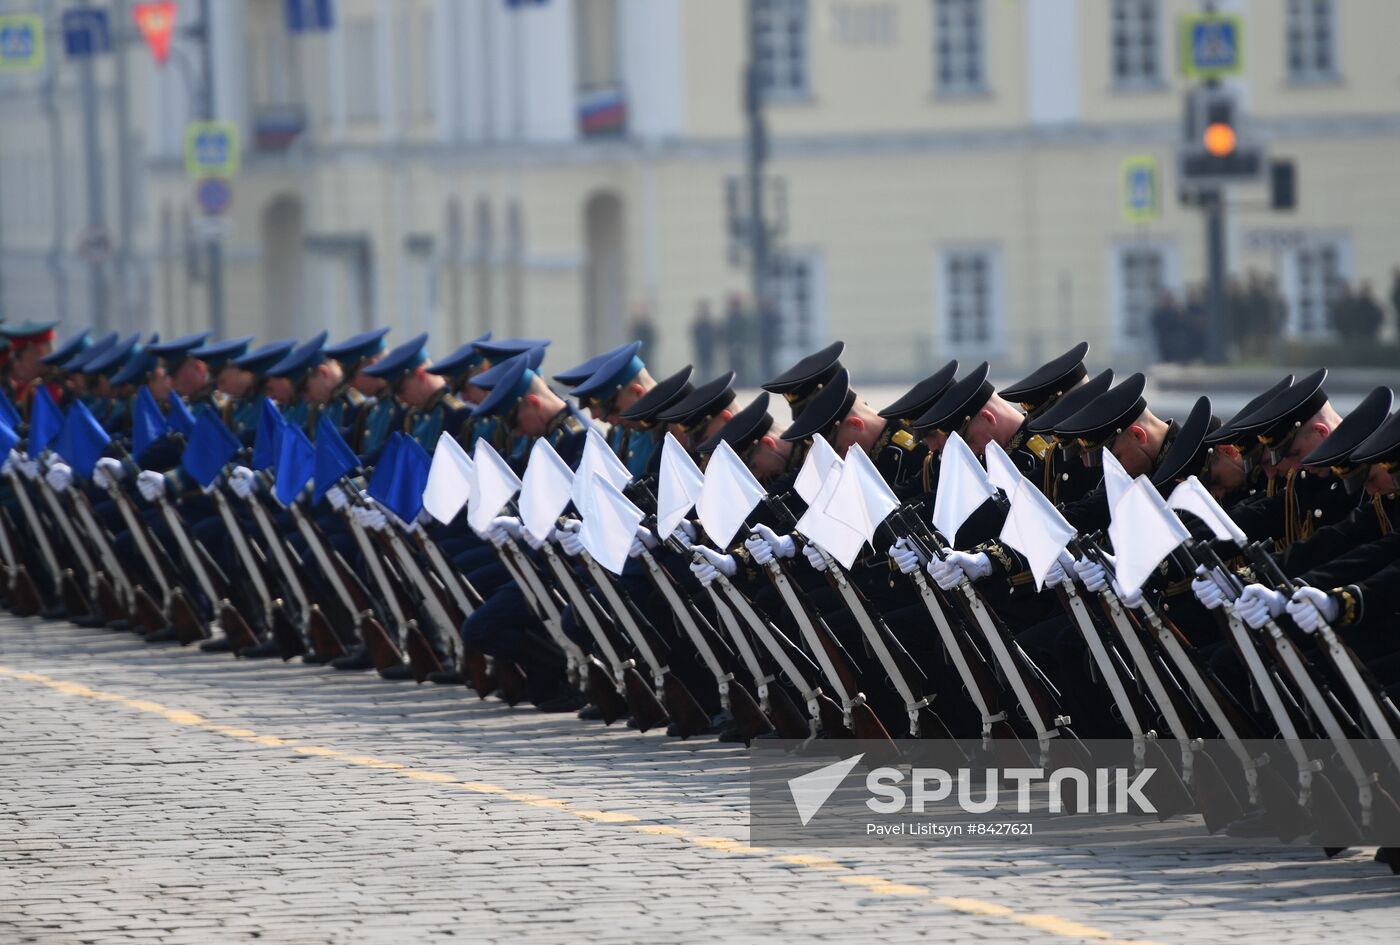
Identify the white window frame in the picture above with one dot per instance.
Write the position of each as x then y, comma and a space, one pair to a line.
1308, 72
1123, 340
1293, 273
1139, 78
994, 345
774, 18
957, 86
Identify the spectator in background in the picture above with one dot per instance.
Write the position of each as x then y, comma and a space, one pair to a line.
1395, 297
644, 330
770, 328
736, 337
704, 334
1166, 326
1193, 333
1356, 315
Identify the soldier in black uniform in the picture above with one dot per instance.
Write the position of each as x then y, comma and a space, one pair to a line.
641, 415
905, 411
702, 413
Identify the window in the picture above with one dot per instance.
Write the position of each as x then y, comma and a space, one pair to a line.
780, 47
361, 68
596, 44
1136, 37
957, 47
1141, 280
1311, 40
793, 284
970, 300
1318, 278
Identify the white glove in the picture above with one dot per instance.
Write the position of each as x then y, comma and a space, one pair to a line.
1128, 600
368, 518
715, 564
814, 557
60, 477
647, 538
905, 557
1310, 608
1259, 604
687, 530
424, 519
1060, 571
531, 540
501, 529
765, 545
569, 541
151, 485
1091, 574
108, 472
949, 572
11, 462
1206, 590
242, 482
28, 468
337, 498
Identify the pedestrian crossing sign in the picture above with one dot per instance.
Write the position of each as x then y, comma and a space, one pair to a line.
1142, 189
1211, 46
21, 42
211, 149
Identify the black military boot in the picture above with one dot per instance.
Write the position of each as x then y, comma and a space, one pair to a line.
358, 658
166, 634
219, 644
264, 650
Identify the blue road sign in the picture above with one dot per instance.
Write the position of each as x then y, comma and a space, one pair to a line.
86, 32
21, 42
1141, 192
1211, 45
309, 16
213, 195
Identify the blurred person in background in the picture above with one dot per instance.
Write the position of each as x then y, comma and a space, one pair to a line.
704, 334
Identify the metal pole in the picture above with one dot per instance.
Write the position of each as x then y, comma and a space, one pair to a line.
757, 157
1213, 201
215, 248
126, 186
96, 197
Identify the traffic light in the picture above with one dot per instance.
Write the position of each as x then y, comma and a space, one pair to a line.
1213, 150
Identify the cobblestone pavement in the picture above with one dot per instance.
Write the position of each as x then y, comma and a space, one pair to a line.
156, 794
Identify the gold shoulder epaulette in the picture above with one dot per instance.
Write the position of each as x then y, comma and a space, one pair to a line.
453, 402
904, 440
1038, 445
573, 424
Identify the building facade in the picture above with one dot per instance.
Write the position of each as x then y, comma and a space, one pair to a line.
949, 171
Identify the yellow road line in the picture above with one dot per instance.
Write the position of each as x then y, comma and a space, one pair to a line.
874, 885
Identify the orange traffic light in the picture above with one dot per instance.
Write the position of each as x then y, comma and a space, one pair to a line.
1219, 139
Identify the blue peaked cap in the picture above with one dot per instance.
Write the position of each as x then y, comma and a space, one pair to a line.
219, 353
140, 363
111, 360
260, 359
78, 343
79, 360
358, 347
179, 348
462, 360
301, 359
616, 368
402, 359
577, 375
507, 383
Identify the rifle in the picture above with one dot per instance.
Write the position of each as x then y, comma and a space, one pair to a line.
1059, 747
1315, 795
1217, 801
647, 710
1375, 802
23, 594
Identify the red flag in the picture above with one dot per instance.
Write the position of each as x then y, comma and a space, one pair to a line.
156, 21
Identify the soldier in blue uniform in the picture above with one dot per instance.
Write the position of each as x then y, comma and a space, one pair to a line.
503, 626
642, 416
312, 380
357, 405
245, 381
618, 381
431, 408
